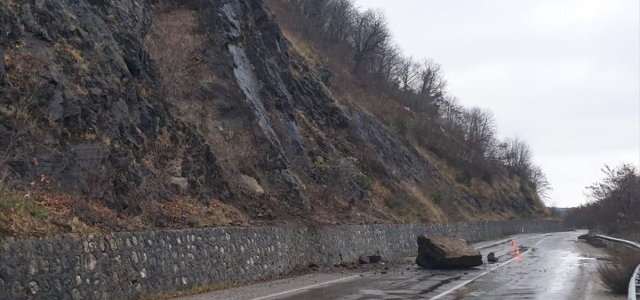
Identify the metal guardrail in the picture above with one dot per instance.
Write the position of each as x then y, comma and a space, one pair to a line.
634, 282
634, 285
630, 244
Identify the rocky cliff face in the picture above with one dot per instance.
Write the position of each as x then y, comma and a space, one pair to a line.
80, 104
126, 103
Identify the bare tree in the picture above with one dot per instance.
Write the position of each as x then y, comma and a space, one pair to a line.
479, 129
429, 88
431, 83
620, 188
539, 181
451, 113
407, 73
516, 154
613, 202
386, 59
339, 18
369, 34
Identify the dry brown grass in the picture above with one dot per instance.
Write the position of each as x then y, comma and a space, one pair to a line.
21, 66
20, 212
173, 43
182, 212
427, 208
302, 47
40, 211
616, 275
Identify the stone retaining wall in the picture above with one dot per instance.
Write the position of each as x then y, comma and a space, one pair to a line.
127, 265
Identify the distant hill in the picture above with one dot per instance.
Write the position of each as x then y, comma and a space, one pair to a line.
559, 211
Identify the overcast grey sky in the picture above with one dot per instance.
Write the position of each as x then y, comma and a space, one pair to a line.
563, 75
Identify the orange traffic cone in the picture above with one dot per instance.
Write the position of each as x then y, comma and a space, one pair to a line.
516, 251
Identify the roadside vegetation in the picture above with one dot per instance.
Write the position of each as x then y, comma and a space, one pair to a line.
614, 204
615, 275
613, 209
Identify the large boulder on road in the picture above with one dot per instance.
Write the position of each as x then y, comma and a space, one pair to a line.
441, 252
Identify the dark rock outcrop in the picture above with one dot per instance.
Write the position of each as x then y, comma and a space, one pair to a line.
440, 252
86, 105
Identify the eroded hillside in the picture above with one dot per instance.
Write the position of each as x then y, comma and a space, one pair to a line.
129, 115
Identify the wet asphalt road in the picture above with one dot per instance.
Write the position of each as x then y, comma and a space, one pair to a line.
551, 266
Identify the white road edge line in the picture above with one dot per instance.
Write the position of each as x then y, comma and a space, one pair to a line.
447, 292
306, 287
355, 276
